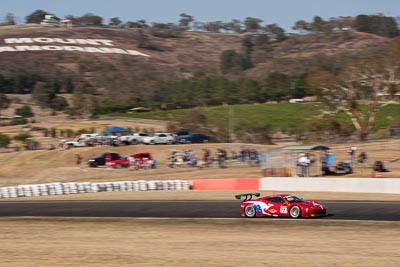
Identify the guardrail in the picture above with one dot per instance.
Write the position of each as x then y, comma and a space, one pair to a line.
87, 187
311, 184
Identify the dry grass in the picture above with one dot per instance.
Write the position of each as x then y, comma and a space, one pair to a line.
43, 166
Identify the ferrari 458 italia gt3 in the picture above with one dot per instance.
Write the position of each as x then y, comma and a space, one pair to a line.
282, 205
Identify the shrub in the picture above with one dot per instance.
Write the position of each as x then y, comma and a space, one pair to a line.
23, 137
24, 111
4, 140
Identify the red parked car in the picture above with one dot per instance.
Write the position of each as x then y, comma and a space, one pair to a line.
139, 158
282, 205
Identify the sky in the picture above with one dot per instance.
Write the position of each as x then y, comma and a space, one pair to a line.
283, 12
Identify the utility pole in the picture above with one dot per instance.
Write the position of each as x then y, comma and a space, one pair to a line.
230, 125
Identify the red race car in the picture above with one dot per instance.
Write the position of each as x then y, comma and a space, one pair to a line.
283, 205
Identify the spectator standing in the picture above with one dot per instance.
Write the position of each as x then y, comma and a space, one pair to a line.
352, 151
78, 159
108, 160
362, 157
132, 163
221, 155
243, 153
304, 161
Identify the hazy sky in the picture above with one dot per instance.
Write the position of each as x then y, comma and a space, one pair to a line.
283, 12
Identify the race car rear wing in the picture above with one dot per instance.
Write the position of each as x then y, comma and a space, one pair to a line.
247, 196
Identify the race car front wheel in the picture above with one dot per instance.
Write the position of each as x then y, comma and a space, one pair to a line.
250, 211
295, 212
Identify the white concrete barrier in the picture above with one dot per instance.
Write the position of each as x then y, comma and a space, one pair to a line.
355, 185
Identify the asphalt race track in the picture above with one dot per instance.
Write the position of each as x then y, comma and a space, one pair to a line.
340, 210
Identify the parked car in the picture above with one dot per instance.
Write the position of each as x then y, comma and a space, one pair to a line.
88, 136
187, 137
106, 140
280, 205
159, 138
139, 159
133, 139
79, 142
101, 159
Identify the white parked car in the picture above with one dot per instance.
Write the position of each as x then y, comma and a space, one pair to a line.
133, 139
79, 142
159, 138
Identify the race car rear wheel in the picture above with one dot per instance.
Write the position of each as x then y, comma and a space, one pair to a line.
250, 211
295, 212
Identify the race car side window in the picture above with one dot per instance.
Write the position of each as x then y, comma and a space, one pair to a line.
276, 200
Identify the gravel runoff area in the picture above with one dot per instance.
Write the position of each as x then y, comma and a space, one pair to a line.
197, 242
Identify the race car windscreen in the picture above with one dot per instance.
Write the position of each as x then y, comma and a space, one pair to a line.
293, 199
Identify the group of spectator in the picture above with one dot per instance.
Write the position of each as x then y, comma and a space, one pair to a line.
187, 158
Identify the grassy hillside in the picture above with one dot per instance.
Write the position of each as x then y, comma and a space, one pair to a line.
279, 116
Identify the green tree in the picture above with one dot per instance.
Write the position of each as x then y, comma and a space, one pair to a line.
69, 85
249, 91
247, 45
142, 24
276, 86
234, 62
165, 30
318, 24
24, 111
4, 102
23, 137
302, 26
10, 19
36, 17
277, 31
252, 24
184, 22
357, 95
79, 103
4, 140
263, 42
58, 103
115, 21
235, 25
377, 24
213, 26
43, 94
53, 132
90, 19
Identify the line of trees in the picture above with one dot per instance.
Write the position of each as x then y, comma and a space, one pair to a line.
375, 24
25, 82
205, 90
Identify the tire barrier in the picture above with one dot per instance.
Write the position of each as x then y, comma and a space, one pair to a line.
52, 189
